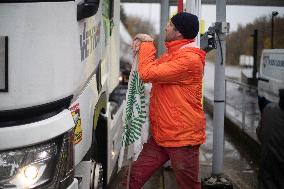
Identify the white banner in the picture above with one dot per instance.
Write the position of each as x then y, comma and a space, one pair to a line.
135, 116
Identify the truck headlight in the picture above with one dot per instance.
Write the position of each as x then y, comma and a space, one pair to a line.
40, 165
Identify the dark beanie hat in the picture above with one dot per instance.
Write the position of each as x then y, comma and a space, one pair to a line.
187, 24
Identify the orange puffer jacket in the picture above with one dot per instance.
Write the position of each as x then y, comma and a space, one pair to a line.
176, 114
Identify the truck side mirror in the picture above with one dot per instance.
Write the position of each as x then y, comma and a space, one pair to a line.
87, 9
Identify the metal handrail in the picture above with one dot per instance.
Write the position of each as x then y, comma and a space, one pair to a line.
242, 109
240, 83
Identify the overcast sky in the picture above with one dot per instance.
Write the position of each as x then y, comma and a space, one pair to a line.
235, 14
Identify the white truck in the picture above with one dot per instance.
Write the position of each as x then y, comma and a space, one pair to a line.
59, 67
271, 74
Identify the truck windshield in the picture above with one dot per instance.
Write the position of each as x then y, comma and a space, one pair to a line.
29, 1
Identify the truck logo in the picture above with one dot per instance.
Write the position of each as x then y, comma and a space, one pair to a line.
265, 60
75, 111
89, 40
272, 66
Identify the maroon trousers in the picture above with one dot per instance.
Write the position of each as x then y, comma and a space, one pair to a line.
184, 161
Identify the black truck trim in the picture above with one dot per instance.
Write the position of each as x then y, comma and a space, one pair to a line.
32, 114
5, 89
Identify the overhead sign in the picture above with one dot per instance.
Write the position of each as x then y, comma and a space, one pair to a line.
3, 64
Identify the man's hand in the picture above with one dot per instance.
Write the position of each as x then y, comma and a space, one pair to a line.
138, 39
143, 37
136, 45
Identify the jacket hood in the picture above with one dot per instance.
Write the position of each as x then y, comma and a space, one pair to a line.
189, 45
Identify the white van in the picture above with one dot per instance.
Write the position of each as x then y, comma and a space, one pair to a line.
271, 75
59, 64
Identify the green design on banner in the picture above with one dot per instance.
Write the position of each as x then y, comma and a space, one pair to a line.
135, 114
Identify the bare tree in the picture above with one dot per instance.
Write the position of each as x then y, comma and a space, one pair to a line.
241, 42
136, 25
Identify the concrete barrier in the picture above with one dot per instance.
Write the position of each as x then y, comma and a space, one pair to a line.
233, 128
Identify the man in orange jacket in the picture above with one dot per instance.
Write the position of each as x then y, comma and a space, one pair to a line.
176, 115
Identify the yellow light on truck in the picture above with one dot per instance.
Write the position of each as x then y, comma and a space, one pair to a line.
31, 172
113, 154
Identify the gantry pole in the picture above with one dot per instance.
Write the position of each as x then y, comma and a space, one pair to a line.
163, 22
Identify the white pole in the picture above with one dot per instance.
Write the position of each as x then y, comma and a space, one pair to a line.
194, 7
221, 28
163, 22
219, 91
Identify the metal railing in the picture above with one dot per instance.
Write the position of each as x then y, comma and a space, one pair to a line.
242, 104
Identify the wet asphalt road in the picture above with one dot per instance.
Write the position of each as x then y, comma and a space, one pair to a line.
238, 166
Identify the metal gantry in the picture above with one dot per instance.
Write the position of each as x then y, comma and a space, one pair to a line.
213, 2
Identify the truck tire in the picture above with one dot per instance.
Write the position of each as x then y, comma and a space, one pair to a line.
96, 175
102, 143
98, 153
